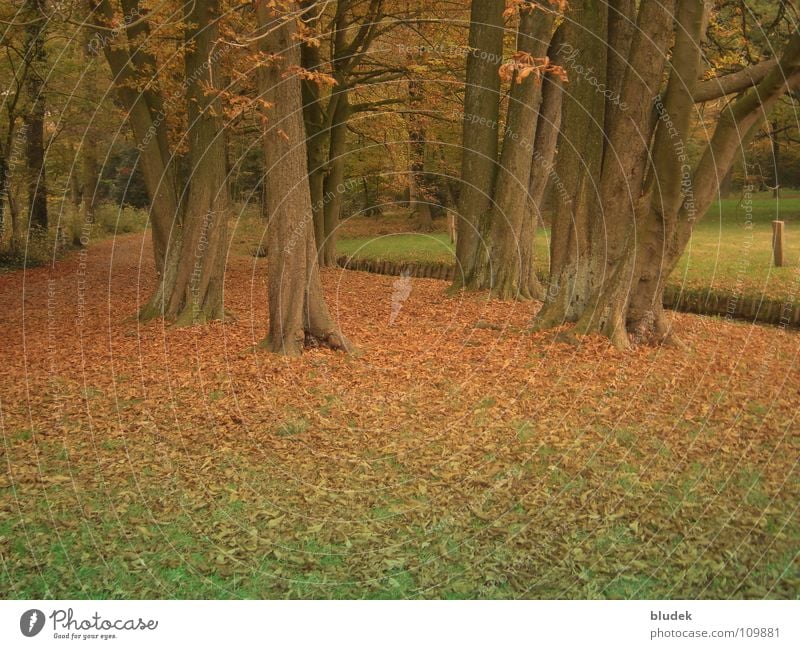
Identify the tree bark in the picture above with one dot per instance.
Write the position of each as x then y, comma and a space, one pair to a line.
666, 186
191, 286
671, 222
621, 26
317, 131
480, 134
90, 169
334, 180
298, 314
511, 239
734, 82
628, 139
548, 125
583, 55
3, 191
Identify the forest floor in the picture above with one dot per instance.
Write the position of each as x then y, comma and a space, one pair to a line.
458, 456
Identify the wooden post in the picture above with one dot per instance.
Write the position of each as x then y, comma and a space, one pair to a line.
777, 243
451, 226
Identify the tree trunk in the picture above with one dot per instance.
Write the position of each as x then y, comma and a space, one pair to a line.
317, 135
628, 139
371, 207
480, 139
352, 34
90, 181
90, 171
643, 317
3, 192
621, 26
579, 163
511, 238
548, 125
298, 315
75, 187
191, 287
775, 145
76, 196
6, 193
334, 181
34, 118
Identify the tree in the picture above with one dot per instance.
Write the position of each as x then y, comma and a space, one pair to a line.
669, 222
625, 236
127, 45
495, 234
192, 282
353, 27
15, 70
89, 172
420, 192
606, 130
480, 133
189, 228
298, 314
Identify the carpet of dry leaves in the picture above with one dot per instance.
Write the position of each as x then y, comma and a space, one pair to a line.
458, 456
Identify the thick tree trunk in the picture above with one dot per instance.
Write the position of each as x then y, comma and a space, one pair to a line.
621, 30
191, 288
668, 183
511, 239
548, 125
628, 139
317, 136
579, 162
480, 139
298, 315
34, 117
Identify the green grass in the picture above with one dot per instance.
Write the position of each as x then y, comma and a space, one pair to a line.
434, 247
730, 251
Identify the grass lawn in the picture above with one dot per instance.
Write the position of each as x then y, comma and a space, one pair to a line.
415, 247
731, 250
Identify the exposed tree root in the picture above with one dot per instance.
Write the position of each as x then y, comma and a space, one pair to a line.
301, 340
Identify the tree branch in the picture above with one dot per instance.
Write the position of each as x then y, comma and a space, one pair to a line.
733, 82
